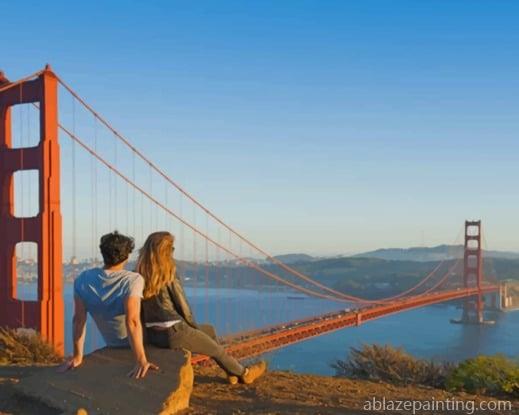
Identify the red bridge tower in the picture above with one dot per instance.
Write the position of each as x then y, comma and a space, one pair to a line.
46, 314
473, 272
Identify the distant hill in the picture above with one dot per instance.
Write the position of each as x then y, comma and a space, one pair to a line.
425, 254
294, 258
365, 277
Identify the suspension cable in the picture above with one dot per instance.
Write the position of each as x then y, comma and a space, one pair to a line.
193, 228
201, 206
444, 278
276, 261
19, 81
337, 296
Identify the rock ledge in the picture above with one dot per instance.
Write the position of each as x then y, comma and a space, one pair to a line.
101, 385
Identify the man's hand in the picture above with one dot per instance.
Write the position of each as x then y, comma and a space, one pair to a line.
140, 369
78, 333
71, 363
134, 328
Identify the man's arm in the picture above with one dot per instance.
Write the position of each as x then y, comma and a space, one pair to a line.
78, 333
134, 328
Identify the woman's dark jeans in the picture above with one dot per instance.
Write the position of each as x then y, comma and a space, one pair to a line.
203, 341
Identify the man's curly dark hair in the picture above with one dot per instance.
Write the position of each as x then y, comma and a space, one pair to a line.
116, 248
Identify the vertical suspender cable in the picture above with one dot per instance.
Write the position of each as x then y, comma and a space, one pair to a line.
181, 233
228, 277
195, 267
95, 237
110, 201
94, 223
185, 250
166, 203
206, 294
127, 210
73, 178
92, 204
134, 198
142, 218
151, 215
217, 283
238, 278
232, 275
116, 212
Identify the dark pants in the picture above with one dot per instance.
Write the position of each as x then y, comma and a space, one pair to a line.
202, 340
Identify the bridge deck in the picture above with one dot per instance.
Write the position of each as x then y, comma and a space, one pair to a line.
263, 340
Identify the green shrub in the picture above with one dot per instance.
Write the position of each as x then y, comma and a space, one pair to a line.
393, 365
491, 375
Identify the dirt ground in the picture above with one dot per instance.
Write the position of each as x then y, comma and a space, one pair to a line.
275, 393
290, 393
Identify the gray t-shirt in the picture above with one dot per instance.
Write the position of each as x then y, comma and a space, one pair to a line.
104, 294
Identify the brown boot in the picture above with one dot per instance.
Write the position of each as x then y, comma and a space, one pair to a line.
254, 372
233, 380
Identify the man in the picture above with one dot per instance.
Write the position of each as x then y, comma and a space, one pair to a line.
112, 296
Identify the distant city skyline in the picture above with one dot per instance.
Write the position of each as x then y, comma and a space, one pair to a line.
323, 128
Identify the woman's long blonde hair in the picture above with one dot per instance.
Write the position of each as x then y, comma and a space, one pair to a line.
156, 263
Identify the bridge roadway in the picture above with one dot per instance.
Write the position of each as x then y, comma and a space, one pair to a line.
253, 343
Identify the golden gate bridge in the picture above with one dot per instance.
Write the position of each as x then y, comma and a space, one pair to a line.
91, 179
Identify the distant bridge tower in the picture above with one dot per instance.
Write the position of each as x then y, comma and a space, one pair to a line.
46, 314
473, 272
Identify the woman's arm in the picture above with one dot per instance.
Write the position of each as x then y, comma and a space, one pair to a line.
179, 299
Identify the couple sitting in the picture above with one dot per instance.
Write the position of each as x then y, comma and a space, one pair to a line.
114, 298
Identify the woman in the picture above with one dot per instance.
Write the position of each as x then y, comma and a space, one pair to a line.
167, 316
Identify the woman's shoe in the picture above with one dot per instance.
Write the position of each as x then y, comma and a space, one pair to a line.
233, 380
253, 372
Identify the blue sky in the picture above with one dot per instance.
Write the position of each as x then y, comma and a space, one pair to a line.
312, 126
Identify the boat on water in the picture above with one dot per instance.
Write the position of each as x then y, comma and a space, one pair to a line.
461, 321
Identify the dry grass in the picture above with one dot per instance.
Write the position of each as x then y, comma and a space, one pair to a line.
24, 347
393, 365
